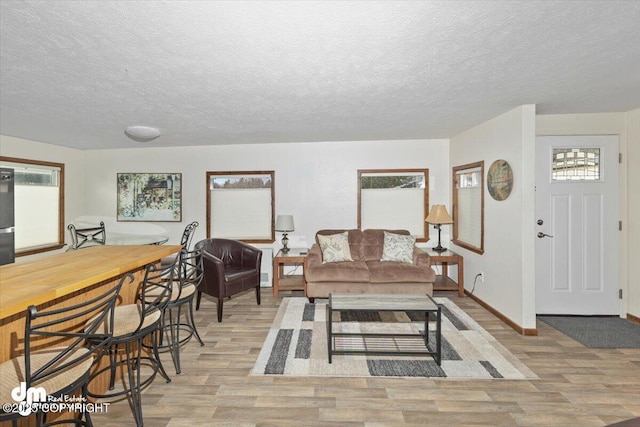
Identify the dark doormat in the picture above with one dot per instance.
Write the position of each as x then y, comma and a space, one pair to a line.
597, 331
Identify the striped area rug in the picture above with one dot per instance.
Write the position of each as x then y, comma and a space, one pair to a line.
297, 345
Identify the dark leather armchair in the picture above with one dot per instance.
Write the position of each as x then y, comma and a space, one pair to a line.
230, 267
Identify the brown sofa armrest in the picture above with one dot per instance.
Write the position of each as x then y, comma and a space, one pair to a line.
314, 257
421, 258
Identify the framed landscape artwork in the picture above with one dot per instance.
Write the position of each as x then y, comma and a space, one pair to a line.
150, 197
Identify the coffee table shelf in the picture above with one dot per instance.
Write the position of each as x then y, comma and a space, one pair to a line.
393, 343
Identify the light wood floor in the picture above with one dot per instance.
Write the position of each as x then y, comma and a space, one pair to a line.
577, 387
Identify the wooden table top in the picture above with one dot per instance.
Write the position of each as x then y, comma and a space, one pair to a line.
44, 279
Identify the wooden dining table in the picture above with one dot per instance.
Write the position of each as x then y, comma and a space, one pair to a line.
65, 279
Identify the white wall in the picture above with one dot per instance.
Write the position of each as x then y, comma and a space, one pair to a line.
508, 259
315, 182
627, 127
632, 167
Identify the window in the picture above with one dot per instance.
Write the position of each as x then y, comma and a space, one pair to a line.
240, 205
38, 205
468, 206
576, 164
394, 199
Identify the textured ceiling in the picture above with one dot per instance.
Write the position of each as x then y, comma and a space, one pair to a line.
77, 73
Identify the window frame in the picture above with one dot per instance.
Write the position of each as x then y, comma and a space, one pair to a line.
61, 220
211, 174
425, 195
456, 211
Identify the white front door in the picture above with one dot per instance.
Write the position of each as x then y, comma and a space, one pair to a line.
577, 259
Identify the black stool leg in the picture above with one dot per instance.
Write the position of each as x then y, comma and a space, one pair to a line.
154, 344
174, 346
193, 322
87, 414
198, 301
220, 302
113, 357
134, 381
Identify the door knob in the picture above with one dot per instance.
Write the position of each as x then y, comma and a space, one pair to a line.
541, 235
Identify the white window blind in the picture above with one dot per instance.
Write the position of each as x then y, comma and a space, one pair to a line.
243, 214
394, 199
393, 209
36, 216
36, 204
241, 205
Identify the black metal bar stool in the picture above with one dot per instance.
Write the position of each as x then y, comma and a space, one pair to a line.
176, 332
59, 370
133, 323
185, 242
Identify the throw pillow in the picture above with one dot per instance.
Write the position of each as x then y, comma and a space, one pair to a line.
398, 248
335, 247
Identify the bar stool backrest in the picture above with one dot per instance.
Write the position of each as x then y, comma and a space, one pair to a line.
191, 269
156, 289
64, 331
187, 234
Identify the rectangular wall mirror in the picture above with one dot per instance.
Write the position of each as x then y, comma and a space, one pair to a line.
468, 206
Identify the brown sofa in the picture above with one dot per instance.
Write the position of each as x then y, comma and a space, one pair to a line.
366, 273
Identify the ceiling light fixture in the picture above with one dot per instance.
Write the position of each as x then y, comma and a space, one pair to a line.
142, 133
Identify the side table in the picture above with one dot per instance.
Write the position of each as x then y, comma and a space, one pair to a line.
289, 282
444, 282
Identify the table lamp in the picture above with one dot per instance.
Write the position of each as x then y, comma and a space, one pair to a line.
437, 217
284, 224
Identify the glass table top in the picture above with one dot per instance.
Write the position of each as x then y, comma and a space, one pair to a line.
382, 302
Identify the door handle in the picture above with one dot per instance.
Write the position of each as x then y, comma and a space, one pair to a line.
542, 235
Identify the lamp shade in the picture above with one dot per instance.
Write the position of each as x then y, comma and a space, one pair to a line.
284, 223
439, 215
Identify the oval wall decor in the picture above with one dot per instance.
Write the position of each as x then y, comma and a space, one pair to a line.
500, 180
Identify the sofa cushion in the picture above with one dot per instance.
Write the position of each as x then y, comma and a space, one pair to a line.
348, 271
233, 273
398, 272
355, 241
373, 243
335, 247
398, 248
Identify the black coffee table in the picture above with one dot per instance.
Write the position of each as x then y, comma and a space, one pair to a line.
390, 343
